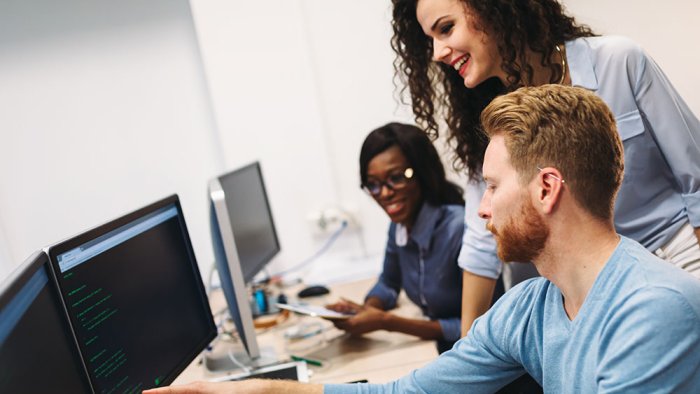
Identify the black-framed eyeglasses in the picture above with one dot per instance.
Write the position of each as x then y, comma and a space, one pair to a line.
394, 182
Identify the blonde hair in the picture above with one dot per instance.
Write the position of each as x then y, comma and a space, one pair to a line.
564, 127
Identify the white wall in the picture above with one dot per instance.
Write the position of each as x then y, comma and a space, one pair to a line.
103, 109
6, 260
298, 85
264, 98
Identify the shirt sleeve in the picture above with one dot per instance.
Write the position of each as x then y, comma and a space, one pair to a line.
671, 362
451, 328
388, 286
478, 253
674, 127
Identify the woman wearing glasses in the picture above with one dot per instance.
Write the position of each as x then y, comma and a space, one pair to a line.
401, 170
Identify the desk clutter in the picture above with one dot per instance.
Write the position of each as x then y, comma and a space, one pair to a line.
125, 303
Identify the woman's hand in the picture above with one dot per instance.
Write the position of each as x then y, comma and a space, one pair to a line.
367, 318
345, 306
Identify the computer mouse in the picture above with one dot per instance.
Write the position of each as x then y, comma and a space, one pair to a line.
312, 291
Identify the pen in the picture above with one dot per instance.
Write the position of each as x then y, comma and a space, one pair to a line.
307, 360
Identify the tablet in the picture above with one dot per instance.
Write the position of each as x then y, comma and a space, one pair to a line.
295, 370
316, 311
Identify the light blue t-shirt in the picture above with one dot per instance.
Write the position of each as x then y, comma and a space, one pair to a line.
637, 331
660, 191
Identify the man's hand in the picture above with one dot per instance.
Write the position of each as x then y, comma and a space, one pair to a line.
197, 388
253, 386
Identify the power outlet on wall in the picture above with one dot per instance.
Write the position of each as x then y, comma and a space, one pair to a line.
328, 220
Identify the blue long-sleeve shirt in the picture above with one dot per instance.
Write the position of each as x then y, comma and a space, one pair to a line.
426, 267
638, 331
660, 191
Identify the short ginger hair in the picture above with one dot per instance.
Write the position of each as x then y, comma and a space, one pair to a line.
567, 128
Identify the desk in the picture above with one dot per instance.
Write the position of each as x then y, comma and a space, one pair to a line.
379, 356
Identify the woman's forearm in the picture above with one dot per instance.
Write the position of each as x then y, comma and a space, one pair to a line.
477, 294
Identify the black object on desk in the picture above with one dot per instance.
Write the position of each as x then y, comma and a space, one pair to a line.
312, 291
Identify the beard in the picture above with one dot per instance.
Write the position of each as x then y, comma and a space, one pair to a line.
522, 237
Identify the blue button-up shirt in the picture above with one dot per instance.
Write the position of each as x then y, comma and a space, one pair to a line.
661, 136
426, 267
660, 191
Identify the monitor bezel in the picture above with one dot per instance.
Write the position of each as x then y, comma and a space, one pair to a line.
240, 294
16, 281
55, 250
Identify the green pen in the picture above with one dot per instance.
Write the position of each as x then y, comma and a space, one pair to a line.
307, 360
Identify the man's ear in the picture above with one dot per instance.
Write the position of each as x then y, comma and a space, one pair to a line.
550, 186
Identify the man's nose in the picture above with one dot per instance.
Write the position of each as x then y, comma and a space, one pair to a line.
485, 207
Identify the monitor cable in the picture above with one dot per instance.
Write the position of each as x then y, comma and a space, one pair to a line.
323, 249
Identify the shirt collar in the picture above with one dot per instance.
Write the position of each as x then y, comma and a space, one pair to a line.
422, 229
578, 54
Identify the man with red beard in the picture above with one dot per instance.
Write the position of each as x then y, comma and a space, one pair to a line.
606, 315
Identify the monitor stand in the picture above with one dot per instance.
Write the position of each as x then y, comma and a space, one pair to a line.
231, 357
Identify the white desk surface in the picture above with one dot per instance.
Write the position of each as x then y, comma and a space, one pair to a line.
379, 356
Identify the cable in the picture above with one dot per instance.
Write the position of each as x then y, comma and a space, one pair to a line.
238, 363
329, 242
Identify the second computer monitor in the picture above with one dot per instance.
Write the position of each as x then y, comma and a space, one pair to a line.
250, 218
244, 240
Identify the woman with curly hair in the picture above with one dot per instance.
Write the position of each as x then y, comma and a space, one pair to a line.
455, 56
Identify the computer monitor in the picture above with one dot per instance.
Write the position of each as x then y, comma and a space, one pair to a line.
244, 240
38, 352
135, 298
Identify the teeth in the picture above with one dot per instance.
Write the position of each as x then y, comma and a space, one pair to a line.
460, 63
393, 207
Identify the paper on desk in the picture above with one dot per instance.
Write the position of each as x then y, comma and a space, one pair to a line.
313, 310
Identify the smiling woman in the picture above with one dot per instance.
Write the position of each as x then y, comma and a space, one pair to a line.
456, 56
401, 170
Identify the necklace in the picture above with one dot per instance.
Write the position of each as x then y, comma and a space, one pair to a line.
563, 64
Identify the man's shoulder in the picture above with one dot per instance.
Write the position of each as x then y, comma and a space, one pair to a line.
530, 294
643, 276
518, 316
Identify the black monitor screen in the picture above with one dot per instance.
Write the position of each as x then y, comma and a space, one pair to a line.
250, 217
134, 294
38, 353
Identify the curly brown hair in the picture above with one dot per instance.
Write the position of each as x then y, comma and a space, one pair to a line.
517, 25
